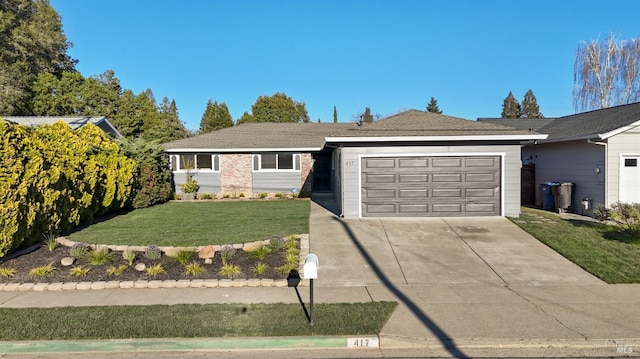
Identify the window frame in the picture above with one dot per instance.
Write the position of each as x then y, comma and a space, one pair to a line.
176, 159
296, 159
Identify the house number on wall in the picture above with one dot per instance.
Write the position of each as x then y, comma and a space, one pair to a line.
350, 163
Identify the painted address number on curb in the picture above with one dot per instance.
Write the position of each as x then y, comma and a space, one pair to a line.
364, 342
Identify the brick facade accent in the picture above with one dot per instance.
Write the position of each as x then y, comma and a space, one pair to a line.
235, 173
307, 177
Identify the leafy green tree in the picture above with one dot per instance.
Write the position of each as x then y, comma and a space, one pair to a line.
433, 106
58, 96
511, 107
245, 118
216, 116
530, 108
166, 125
367, 117
152, 175
335, 115
31, 42
276, 108
132, 111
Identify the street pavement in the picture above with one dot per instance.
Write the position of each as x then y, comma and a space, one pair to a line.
466, 287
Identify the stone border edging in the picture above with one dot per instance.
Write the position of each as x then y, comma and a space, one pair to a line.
171, 283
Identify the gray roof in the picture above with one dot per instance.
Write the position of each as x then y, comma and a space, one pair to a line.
412, 123
597, 124
75, 122
525, 124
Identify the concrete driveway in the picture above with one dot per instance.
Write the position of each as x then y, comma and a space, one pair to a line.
434, 251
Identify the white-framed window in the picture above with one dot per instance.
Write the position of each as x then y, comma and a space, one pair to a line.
276, 161
196, 161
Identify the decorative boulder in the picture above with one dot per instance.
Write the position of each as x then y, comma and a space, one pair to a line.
206, 252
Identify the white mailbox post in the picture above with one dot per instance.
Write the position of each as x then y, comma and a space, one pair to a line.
310, 272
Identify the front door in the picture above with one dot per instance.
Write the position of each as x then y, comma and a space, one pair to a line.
322, 172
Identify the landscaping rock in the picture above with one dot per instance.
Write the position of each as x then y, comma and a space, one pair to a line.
67, 261
140, 267
206, 252
208, 261
171, 251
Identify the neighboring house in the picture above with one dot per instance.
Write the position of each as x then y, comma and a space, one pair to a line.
75, 122
599, 151
411, 164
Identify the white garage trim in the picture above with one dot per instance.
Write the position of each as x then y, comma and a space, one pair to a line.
502, 156
625, 185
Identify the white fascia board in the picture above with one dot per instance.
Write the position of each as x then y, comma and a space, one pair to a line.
237, 150
604, 136
438, 138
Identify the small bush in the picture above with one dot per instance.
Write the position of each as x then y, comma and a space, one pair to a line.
79, 271
260, 268
260, 253
626, 215
263, 195
99, 257
79, 250
116, 271
50, 241
227, 253
155, 270
42, 271
152, 252
193, 269
241, 195
277, 243
7, 272
229, 271
205, 196
129, 256
184, 256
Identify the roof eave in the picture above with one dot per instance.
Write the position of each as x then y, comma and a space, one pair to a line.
618, 130
438, 138
238, 150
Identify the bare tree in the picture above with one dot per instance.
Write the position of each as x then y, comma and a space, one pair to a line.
606, 73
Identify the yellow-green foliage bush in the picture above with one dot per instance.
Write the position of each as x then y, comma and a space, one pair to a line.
53, 178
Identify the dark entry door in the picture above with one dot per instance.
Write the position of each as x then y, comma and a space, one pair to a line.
322, 172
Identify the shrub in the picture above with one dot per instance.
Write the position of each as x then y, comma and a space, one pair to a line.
263, 195
129, 256
42, 271
99, 257
205, 196
155, 270
50, 241
229, 271
7, 272
626, 215
260, 253
152, 252
277, 243
116, 271
193, 269
260, 268
79, 271
227, 253
184, 256
79, 250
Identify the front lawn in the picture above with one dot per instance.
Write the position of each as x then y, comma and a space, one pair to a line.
601, 249
200, 223
192, 321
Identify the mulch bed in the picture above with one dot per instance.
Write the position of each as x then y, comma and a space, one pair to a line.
24, 263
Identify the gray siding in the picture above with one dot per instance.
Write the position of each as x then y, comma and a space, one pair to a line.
337, 177
208, 182
627, 142
272, 182
574, 162
351, 170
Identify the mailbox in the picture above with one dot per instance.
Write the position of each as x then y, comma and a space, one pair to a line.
310, 270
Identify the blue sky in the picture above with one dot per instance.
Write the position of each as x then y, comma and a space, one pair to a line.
386, 55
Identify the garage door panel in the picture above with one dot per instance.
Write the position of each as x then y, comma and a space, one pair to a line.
431, 186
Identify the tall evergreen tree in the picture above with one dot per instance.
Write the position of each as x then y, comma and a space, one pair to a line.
367, 117
31, 42
433, 106
216, 116
167, 125
511, 107
530, 108
335, 115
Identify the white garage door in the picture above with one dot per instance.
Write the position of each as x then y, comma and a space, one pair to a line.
430, 186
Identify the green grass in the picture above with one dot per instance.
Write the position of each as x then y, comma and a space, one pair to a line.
200, 223
191, 321
600, 249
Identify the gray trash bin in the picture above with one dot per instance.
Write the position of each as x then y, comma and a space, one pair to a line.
562, 196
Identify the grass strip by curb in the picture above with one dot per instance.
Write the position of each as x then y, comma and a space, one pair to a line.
192, 321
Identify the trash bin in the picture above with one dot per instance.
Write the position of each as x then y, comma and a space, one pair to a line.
548, 201
562, 196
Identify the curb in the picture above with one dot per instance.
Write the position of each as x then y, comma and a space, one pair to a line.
187, 344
